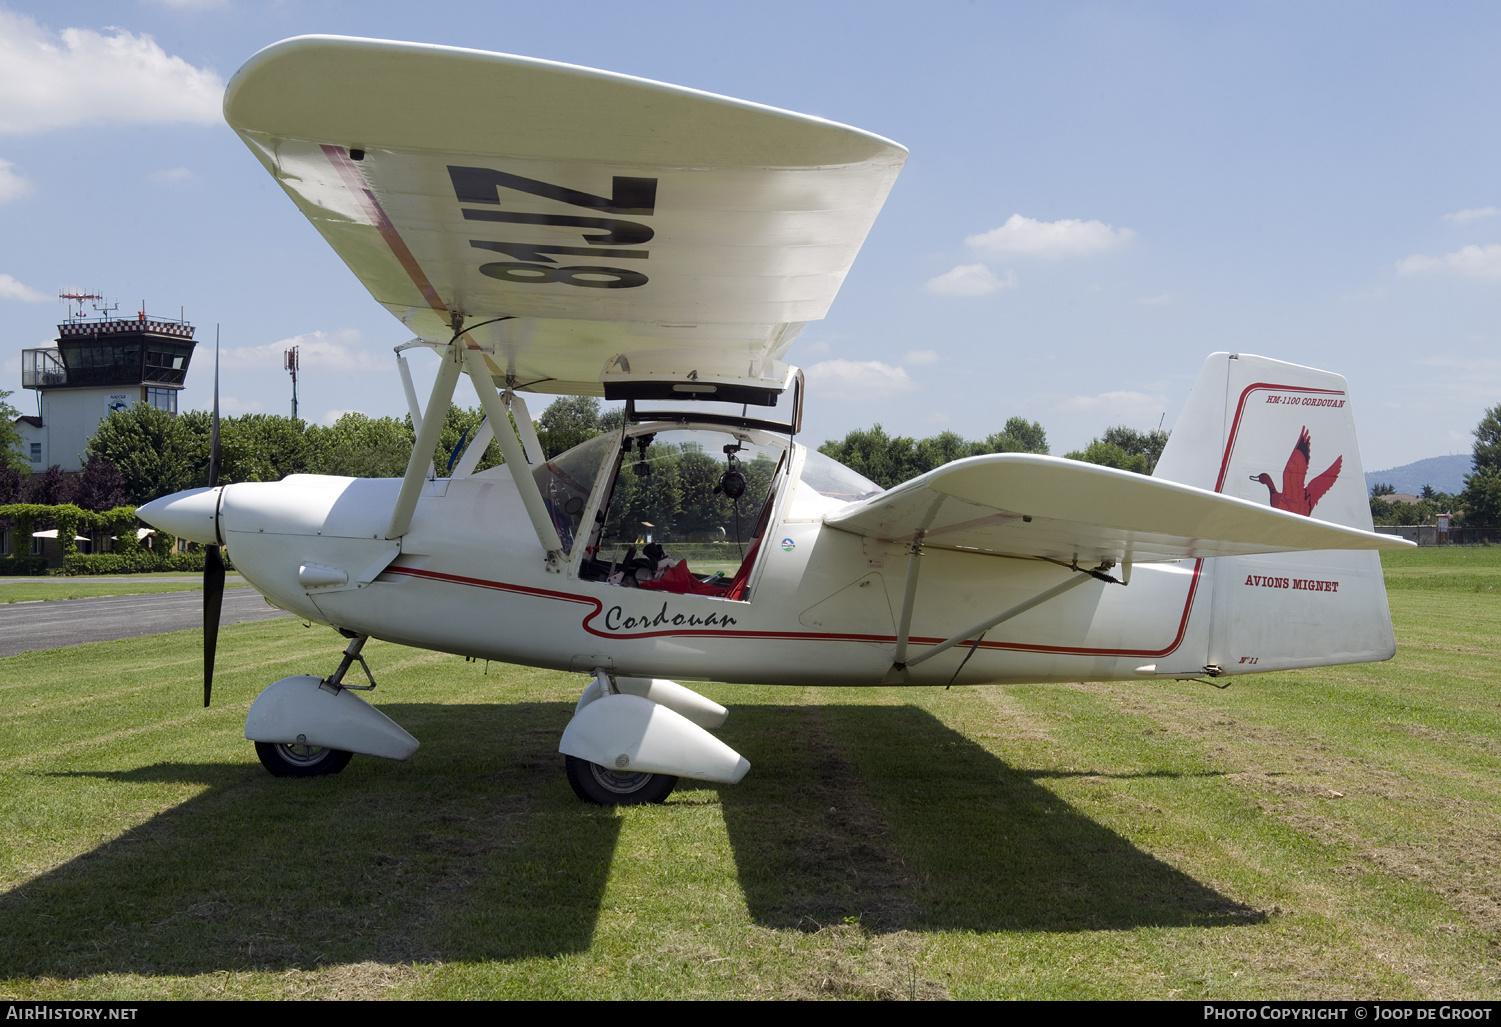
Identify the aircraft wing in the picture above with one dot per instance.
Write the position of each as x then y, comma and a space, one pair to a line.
597, 214
1040, 506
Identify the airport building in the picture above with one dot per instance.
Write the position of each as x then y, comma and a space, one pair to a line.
99, 365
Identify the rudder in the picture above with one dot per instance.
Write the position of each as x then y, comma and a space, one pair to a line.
1282, 435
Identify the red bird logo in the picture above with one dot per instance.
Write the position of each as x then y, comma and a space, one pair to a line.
1296, 497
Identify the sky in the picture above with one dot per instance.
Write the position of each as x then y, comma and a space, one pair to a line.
1099, 195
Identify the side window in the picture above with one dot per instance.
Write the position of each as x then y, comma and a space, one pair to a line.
566, 481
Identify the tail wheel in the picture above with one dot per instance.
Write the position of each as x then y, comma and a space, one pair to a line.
298, 760
605, 787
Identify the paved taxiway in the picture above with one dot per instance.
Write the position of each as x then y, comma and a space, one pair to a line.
62, 622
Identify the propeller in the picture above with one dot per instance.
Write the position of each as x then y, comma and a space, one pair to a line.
213, 565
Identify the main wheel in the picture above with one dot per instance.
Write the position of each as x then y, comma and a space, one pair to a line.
298, 760
605, 787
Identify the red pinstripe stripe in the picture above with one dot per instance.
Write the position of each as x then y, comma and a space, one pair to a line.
339, 158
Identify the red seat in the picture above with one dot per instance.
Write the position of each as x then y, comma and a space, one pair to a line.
678, 579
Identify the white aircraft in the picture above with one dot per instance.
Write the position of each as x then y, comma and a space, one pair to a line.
552, 229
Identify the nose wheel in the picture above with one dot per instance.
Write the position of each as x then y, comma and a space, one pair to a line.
606, 787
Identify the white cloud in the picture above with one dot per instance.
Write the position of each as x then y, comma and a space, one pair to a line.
1463, 217
1067, 238
10, 289
1467, 262
969, 280
331, 416
863, 377
232, 405
169, 175
82, 77
340, 350
13, 185
923, 356
1120, 406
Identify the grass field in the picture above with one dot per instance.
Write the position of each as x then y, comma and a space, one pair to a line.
31, 590
1320, 834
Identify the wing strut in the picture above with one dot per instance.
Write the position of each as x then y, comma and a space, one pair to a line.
427, 439
510, 445
901, 664
1019, 608
406, 382
909, 595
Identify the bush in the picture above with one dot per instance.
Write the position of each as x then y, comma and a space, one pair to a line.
143, 561
111, 563
23, 566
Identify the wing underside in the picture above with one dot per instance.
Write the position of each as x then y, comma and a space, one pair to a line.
583, 214
1050, 508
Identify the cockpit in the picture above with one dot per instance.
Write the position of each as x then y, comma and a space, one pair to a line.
677, 509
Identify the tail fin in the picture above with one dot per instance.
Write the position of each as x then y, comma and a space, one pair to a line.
1282, 435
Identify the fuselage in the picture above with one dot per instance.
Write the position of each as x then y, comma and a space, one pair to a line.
817, 605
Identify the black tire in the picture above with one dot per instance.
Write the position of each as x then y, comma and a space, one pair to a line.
294, 760
605, 787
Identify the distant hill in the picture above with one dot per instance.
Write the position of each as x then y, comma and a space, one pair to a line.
1444, 473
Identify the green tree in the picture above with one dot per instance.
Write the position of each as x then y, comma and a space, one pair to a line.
1124, 448
157, 454
1481, 498
462, 424
1107, 454
1147, 443
360, 446
1382, 489
1018, 436
262, 447
702, 511
569, 420
873, 453
1488, 439
10, 437
890, 461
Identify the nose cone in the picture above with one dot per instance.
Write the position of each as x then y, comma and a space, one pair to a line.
190, 515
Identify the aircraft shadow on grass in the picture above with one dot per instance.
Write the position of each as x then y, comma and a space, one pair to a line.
477, 850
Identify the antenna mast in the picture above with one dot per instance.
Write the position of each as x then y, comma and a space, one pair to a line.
290, 362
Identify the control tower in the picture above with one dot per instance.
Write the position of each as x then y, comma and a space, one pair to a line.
100, 364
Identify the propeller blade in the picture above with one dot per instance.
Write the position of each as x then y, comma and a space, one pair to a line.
213, 565
213, 601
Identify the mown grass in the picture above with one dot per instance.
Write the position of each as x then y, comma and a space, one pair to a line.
1452, 568
1328, 834
31, 590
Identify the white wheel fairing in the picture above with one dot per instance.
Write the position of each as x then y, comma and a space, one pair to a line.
297, 710
630, 734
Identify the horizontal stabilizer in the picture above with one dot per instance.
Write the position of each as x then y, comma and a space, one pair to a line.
1018, 504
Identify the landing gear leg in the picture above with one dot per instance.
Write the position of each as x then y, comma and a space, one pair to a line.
301, 758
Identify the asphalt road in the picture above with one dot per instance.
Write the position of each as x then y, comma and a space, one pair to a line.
25, 627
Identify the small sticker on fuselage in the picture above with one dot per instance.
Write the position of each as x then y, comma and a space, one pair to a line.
788, 545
